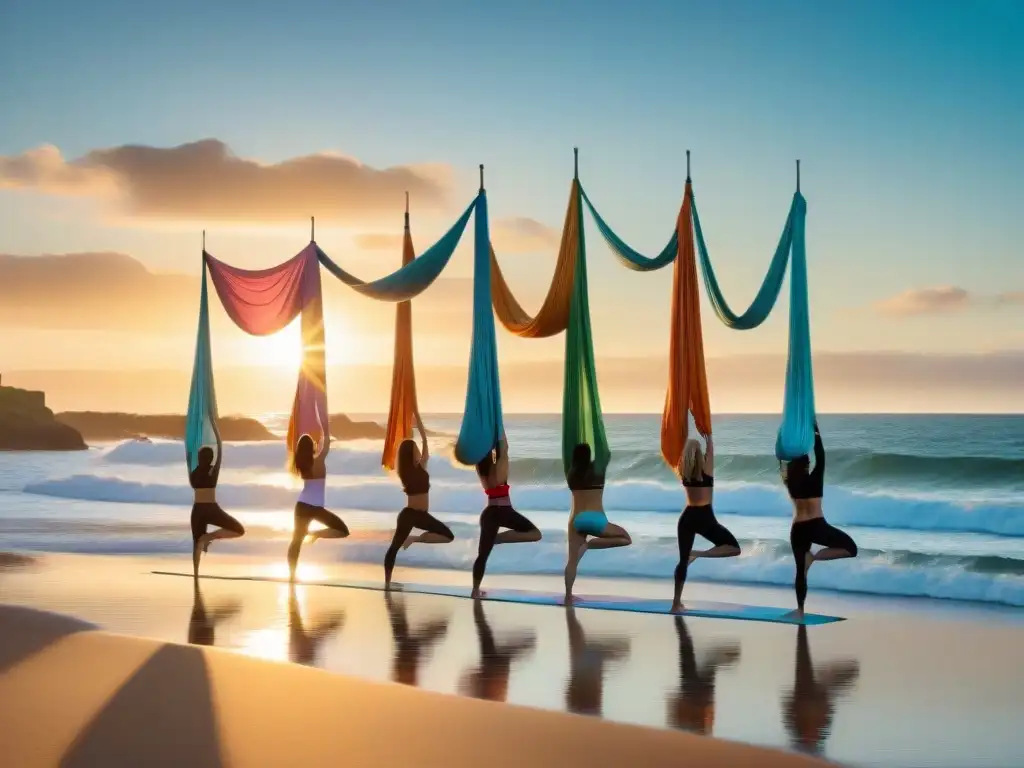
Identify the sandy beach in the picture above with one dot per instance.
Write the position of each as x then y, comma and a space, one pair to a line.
900, 683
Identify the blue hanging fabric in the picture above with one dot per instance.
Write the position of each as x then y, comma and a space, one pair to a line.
796, 433
766, 296
201, 419
481, 421
412, 279
632, 259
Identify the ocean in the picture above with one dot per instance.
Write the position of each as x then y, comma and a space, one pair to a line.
935, 503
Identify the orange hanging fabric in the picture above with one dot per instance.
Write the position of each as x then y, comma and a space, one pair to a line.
553, 316
404, 408
687, 377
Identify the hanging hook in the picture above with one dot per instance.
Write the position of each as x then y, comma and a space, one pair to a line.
687, 166
204, 241
797, 175
481, 177
576, 162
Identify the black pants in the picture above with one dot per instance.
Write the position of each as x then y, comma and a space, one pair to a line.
207, 513
408, 519
693, 521
304, 515
491, 519
815, 531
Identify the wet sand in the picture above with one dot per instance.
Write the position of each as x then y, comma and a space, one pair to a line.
900, 683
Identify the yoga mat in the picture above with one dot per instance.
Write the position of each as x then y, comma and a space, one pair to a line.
599, 602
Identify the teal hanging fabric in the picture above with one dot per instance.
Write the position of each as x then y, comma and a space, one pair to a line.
201, 419
482, 424
412, 279
581, 404
630, 258
796, 434
766, 296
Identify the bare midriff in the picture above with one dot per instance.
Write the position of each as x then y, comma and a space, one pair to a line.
205, 495
589, 500
806, 509
420, 501
699, 497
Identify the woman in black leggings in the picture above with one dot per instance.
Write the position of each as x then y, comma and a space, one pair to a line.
206, 511
493, 473
311, 466
806, 487
697, 473
412, 471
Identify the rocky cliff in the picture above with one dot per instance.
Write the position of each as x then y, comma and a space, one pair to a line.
26, 424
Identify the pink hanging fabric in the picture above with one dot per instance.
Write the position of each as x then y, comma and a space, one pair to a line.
262, 302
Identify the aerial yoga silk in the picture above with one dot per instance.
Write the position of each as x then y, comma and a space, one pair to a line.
796, 433
482, 420
201, 419
403, 408
553, 315
264, 301
581, 403
687, 377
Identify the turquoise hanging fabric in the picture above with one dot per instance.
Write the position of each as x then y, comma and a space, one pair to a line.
796, 433
201, 419
766, 297
630, 258
412, 279
482, 424
582, 421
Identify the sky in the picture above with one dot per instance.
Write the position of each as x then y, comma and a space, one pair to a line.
128, 129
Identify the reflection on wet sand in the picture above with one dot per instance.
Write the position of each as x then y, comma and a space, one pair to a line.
585, 688
303, 643
808, 710
489, 680
411, 645
692, 708
202, 624
12, 561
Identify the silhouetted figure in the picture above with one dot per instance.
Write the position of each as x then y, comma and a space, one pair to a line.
585, 689
806, 487
697, 473
412, 471
201, 624
490, 679
311, 466
205, 509
493, 473
692, 708
304, 644
587, 516
808, 710
410, 644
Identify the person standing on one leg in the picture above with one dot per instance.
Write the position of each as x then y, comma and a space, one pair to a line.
697, 473
806, 488
493, 473
205, 509
311, 466
412, 471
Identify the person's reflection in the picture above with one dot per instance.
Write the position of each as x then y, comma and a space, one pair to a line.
808, 710
489, 680
202, 624
583, 694
410, 645
692, 708
303, 644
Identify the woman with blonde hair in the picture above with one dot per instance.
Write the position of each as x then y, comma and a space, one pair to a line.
696, 470
310, 464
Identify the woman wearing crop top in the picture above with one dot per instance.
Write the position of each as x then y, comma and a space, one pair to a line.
805, 488
697, 473
205, 509
312, 468
412, 471
493, 473
587, 517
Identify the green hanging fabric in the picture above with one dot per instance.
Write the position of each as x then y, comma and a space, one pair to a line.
581, 403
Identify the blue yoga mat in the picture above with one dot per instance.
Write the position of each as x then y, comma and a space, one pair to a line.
598, 602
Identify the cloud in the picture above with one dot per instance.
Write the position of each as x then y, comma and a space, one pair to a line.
514, 235
926, 301
205, 181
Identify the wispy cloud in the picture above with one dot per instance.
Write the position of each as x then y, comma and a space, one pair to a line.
204, 180
944, 300
514, 235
